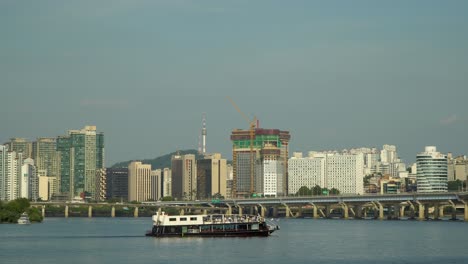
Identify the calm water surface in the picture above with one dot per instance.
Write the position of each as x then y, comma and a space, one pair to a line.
122, 240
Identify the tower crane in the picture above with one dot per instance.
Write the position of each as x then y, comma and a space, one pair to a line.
252, 125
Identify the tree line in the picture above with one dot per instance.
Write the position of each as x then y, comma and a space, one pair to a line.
11, 211
316, 190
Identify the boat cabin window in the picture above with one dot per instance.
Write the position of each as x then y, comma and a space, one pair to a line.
193, 219
172, 219
183, 219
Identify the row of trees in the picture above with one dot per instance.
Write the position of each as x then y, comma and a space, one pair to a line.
316, 190
10, 212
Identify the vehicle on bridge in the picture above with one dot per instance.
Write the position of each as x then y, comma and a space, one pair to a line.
215, 225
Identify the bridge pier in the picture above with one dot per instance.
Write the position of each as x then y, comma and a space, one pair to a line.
288, 210
345, 213
182, 211
358, 212
135, 213
402, 211
66, 211
229, 211
422, 210
43, 211
113, 211
436, 212
315, 211
465, 211
441, 211
262, 210
90, 211
327, 211
240, 210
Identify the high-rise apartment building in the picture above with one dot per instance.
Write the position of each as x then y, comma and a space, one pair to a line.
167, 182
29, 180
431, 171
10, 171
117, 183
184, 177
20, 145
142, 183
308, 171
46, 156
340, 170
211, 176
81, 155
270, 161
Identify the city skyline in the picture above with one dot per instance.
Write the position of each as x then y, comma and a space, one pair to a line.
336, 75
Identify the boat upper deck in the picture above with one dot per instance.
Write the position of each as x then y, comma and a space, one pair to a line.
177, 220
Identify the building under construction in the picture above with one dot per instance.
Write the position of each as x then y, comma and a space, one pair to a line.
260, 162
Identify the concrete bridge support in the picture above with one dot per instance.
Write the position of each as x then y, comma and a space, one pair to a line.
421, 209
345, 213
454, 210
327, 211
402, 211
262, 211
465, 210
182, 211
66, 211
441, 211
240, 210
43, 211
379, 207
288, 210
113, 211
229, 211
90, 211
135, 213
436, 212
252, 210
315, 211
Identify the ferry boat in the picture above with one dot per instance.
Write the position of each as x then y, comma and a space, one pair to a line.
24, 219
215, 225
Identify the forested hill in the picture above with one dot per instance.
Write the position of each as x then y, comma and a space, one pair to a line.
159, 162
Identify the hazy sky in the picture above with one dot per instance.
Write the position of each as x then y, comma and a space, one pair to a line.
336, 74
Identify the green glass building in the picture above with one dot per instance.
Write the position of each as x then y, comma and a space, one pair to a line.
81, 156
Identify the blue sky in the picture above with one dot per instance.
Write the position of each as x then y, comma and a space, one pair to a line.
336, 74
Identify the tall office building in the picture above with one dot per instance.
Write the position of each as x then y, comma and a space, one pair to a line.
211, 176
142, 183
101, 186
117, 183
158, 184
431, 167
184, 177
20, 145
270, 159
81, 155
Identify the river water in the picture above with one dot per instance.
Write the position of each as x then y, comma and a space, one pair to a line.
122, 240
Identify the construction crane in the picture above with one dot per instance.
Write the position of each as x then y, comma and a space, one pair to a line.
252, 125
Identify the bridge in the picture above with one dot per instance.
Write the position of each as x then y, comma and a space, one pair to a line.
419, 206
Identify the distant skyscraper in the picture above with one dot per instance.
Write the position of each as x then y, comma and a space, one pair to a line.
20, 145
10, 171
142, 183
101, 186
117, 183
211, 176
184, 177
167, 182
431, 171
270, 150
81, 154
29, 180
46, 157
